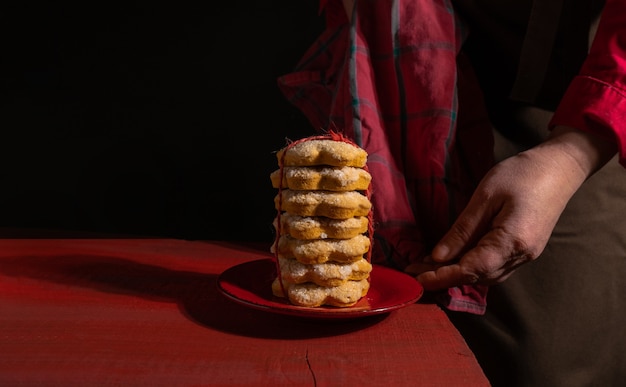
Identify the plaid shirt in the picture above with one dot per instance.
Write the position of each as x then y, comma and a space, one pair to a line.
391, 80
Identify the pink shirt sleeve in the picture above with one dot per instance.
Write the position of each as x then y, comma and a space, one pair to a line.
596, 99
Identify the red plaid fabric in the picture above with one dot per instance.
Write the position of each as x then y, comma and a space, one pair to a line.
391, 80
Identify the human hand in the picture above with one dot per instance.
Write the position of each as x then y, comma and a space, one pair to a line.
512, 213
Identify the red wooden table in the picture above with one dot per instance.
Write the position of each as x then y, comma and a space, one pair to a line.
127, 312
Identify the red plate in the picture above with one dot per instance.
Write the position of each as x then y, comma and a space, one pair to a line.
250, 283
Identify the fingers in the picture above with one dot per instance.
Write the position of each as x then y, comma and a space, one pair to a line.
418, 268
473, 265
485, 265
467, 271
446, 277
466, 231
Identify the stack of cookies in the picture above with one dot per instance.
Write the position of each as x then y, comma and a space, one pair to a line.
323, 222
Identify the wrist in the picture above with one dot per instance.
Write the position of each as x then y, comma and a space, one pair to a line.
588, 151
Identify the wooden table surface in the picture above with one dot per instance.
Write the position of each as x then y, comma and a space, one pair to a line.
130, 312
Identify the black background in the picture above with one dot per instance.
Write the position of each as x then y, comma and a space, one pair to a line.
148, 118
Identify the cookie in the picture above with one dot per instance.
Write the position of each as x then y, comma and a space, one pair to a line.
322, 250
322, 152
326, 274
322, 178
336, 205
318, 227
312, 295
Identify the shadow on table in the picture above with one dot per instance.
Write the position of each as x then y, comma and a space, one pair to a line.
195, 294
